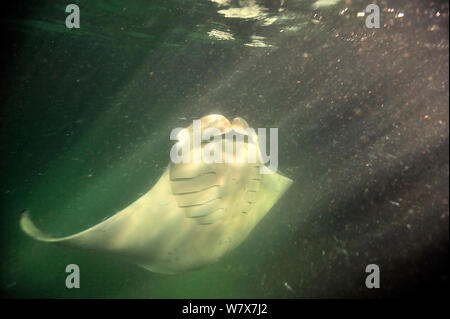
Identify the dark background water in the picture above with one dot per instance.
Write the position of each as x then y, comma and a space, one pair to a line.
363, 132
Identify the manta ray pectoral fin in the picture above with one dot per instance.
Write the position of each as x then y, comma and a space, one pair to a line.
27, 225
109, 235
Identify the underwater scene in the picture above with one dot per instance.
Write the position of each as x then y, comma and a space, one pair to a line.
224, 149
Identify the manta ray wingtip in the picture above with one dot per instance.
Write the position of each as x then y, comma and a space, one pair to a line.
24, 212
29, 228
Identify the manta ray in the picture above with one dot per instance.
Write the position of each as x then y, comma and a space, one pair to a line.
194, 214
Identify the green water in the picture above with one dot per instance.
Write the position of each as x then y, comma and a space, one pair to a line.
363, 133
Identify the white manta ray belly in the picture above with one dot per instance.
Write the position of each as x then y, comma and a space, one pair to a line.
194, 214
